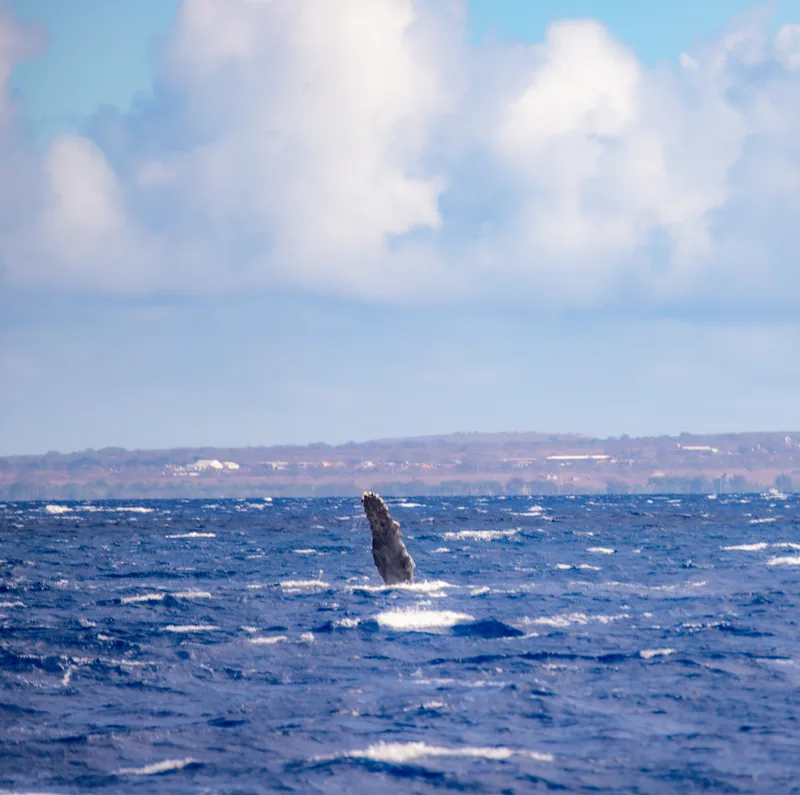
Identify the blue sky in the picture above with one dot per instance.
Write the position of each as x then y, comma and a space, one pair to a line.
244, 223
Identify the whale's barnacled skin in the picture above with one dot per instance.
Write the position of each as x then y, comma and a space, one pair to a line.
388, 550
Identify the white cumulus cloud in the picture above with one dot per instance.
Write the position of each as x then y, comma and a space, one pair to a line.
368, 149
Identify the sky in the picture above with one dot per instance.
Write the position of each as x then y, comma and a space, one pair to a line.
246, 222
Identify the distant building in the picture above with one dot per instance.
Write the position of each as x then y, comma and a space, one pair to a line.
206, 463
578, 457
232, 465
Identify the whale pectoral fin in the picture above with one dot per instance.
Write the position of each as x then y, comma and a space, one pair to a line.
389, 552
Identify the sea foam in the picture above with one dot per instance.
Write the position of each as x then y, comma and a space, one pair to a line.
420, 620
401, 753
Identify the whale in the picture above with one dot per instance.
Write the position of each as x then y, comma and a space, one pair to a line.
391, 557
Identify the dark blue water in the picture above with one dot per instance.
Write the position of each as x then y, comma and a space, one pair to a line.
590, 645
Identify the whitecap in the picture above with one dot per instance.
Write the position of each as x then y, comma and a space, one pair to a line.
401, 753
421, 620
304, 551
568, 619
601, 550
270, 640
648, 654
747, 547
433, 587
789, 560
57, 509
479, 535
640, 588
441, 549
766, 520
296, 585
410, 504
786, 545
133, 509
190, 628
441, 681
145, 597
307, 637
158, 767
12, 604
194, 534
192, 594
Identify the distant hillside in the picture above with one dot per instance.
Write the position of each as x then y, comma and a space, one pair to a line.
460, 463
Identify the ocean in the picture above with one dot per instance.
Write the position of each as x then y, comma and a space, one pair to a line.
588, 644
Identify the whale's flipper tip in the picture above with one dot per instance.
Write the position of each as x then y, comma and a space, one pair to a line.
389, 552
373, 500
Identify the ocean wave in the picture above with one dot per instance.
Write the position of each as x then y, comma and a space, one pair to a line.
167, 766
302, 585
193, 534
479, 535
635, 587
488, 628
757, 547
788, 560
190, 628
423, 586
160, 596
648, 654
268, 640
564, 620
145, 597
401, 753
420, 620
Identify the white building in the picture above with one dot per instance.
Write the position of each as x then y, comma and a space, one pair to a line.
578, 457
206, 463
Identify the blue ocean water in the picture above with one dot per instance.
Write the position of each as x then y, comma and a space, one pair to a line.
616, 644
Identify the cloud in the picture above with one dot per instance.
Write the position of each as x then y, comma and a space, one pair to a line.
368, 150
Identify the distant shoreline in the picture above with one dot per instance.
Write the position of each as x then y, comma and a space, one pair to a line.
448, 465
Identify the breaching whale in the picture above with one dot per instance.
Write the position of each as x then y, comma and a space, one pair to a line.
389, 552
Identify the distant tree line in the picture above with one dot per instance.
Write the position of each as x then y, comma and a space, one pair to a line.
100, 489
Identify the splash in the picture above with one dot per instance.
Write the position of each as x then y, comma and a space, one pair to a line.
421, 620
